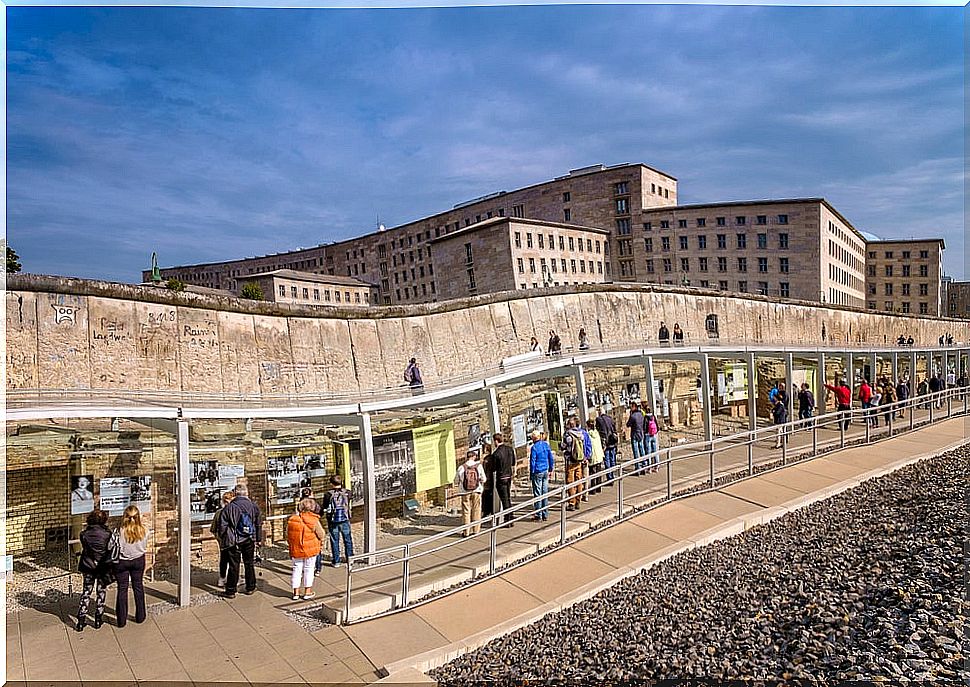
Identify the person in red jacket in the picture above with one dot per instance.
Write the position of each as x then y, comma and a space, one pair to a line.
843, 397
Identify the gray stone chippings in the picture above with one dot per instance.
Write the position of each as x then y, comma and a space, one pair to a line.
867, 585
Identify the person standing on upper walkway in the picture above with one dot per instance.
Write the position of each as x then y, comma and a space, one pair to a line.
412, 375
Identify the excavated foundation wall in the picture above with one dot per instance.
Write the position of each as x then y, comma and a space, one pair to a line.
78, 334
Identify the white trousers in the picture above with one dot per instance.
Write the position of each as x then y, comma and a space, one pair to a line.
303, 568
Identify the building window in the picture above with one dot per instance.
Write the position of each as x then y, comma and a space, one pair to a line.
763, 288
589, 245
785, 289
743, 286
306, 294
924, 289
888, 289
905, 306
552, 242
562, 243
582, 266
888, 306
565, 197
762, 241
336, 295
620, 188
283, 291
683, 243
721, 241
532, 265
623, 226
889, 270
924, 254
648, 226
518, 210
782, 219
783, 265
622, 206
566, 215
889, 255
665, 243
701, 242
742, 264
599, 266
668, 267
292, 292
722, 285
762, 219
783, 241
702, 264
923, 309
701, 222
563, 262
763, 265
572, 243
682, 224
906, 255
555, 265
905, 289
720, 221
471, 279
871, 270
648, 244
468, 256
740, 220
722, 264
528, 240
521, 264
518, 240
685, 264
742, 241
650, 266
572, 266
665, 224
316, 294
906, 270
923, 271
542, 240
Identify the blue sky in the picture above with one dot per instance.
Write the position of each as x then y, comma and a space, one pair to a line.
211, 134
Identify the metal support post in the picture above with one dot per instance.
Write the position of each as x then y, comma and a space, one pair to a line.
708, 419
751, 454
184, 513
874, 368
406, 575
814, 436
562, 519
370, 483
651, 397
789, 384
752, 394
492, 546
895, 364
582, 400
820, 385
842, 427
670, 483
619, 491
495, 424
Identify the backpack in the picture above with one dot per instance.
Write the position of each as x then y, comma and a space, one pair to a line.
337, 510
577, 449
408, 375
245, 527
469, 480
652, 428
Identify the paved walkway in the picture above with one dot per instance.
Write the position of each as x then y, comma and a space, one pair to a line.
250, 640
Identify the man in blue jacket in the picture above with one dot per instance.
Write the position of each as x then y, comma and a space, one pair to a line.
541, 464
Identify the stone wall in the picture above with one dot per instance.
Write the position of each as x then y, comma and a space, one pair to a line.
78, 334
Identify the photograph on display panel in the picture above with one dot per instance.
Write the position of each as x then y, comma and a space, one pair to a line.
82, 494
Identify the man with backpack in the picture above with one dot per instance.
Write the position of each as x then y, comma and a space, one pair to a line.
470, 481
637, 425
336, 505
574, 455
606, 428
241, 528
503, 462
412, 375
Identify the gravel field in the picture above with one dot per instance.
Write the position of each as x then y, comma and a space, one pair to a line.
867, 585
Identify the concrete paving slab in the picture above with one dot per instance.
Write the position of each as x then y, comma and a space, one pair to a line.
677, 520
476, 608
794, 477
830, 468
761, 492
558, 573
721, 505
622, 544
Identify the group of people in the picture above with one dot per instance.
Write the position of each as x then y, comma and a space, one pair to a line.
663, 335
589, 455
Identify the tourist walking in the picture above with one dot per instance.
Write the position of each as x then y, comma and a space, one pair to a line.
902, 394
488, 490
132, 544
663, 335
843, 399
637, 425
96, 566
555, 345
227, 496
606, 428
865, 397
470, 481
806, 402
583, 339
596, 458
336, 506
935, 388
887, 400
503, 462
678, 335
541, 466
304, 537
780, 415
875, 399
534, 346
574, 455
241, 527
651, 440
412, 375
922, 389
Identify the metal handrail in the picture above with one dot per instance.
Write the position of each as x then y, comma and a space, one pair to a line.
559, 496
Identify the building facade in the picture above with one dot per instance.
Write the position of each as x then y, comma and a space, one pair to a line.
799, 248
905, 276
958, 299
305, 288
504, 254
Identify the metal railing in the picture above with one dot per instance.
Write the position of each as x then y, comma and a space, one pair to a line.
665, 459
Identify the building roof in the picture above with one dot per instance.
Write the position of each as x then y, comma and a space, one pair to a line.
767, 201
926, 240
308, 276
489, 223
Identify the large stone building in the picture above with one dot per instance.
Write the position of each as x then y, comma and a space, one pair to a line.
795, 248
799, 248
503, 254
905, 276
958, 299
306, 288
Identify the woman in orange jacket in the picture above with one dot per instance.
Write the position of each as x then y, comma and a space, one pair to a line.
304, 534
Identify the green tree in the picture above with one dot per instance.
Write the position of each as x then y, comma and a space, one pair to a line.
252, 291
13, 261
175, 284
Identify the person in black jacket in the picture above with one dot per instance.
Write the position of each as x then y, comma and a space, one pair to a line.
96, 566
240, 529
503, 462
